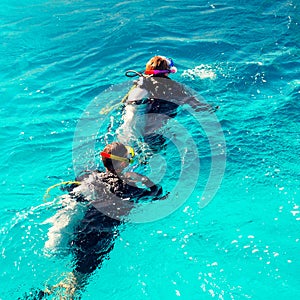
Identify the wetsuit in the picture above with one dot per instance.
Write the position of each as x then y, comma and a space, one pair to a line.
94, 236
154, 100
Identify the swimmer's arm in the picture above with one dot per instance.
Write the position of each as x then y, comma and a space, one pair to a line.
155, 191
199, 106
135, 177
185, 96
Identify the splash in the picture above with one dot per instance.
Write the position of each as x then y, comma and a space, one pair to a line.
202, 72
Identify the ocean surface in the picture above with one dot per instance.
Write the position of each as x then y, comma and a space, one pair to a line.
237, 237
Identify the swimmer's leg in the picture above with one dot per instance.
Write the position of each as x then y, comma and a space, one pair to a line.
93, 240
35, 294
69, 288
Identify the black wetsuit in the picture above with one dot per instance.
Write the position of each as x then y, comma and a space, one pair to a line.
163, 98
163, 95
94, 236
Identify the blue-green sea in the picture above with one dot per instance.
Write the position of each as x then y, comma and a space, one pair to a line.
59, 56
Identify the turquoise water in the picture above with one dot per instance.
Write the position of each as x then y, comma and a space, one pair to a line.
57, 56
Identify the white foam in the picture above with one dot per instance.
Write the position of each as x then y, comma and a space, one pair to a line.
202, 71
63, 223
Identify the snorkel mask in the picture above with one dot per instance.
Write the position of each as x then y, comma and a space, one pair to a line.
128, 159
171, 65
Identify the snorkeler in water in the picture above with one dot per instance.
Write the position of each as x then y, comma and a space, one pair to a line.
109, 197
111, 194
152, 101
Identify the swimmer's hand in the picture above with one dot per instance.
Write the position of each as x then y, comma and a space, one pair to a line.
206, 107
154, 190
135, 177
